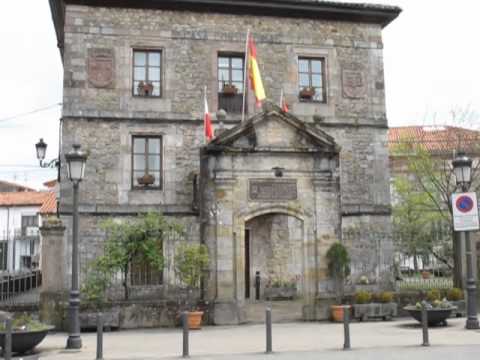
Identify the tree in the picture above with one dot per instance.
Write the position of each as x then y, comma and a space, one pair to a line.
191, 262
134, 240
428, 165
339, 267
413, 217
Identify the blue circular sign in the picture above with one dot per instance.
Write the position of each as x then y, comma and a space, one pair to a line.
464, 203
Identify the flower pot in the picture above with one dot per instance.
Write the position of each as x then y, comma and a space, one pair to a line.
146, 180
280, 293
434, 316
229, 90
337, 312
24, 341
307, 93
425, 275
195, 320
145, 89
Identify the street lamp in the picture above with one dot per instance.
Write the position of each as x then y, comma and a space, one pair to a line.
41, 147
462, 167
76, 160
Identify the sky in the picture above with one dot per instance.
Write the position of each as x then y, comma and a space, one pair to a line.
431, 55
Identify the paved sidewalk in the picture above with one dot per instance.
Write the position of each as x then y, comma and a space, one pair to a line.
373, 340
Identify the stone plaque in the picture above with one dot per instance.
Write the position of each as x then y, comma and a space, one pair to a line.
353, 82
273, 190
101, 68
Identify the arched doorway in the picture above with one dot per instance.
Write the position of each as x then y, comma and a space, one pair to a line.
273, 252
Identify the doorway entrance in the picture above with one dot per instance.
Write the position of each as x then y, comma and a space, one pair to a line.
273, 255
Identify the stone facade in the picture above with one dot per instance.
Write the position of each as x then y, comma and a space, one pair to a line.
341, 170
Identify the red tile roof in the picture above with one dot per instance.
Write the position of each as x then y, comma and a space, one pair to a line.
49, 206
439, 140
25, 198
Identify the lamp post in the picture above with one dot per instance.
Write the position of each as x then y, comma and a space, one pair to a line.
76, 160
462, 167
41, 147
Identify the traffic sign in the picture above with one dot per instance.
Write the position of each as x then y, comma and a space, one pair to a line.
465, 212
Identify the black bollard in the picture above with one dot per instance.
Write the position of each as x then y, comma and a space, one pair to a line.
7, 350
346, 327
99, 336
425, 326
268, 323
185, 334
257, 285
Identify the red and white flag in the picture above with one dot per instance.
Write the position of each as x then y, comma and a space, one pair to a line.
283, 102
207, 120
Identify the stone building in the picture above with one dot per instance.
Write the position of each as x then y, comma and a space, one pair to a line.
269, 194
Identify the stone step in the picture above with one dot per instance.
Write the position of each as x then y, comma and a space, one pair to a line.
282, 311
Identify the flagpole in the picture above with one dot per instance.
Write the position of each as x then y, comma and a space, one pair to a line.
245, 66
205, 140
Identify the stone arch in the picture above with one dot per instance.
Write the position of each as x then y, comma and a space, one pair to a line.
240, 221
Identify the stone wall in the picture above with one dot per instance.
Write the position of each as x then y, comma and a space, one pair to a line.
103, 119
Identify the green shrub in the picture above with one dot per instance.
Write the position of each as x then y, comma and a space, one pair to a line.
433, 295
385, 297
363, 297
454, 294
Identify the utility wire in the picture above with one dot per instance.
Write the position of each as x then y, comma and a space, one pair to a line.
30, 112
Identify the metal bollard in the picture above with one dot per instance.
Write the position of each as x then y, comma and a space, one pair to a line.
257, 285
99, 336
425, 326
268, 323
185, 334
346, 327
7, 350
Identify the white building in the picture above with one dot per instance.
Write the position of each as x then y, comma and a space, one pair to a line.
20, 219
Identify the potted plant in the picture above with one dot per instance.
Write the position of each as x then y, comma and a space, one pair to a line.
339, 268
26, 333
368, 306
145, 88
456, 297
307, 93
191, 264
281, 289
146, 180
229, 89
437, 311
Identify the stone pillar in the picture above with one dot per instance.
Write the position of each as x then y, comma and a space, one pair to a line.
54, 291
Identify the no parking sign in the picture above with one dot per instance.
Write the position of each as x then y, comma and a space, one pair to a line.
465, 211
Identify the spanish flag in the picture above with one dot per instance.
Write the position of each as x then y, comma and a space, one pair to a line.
207, 119
254, 72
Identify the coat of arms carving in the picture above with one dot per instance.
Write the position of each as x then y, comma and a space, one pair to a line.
101, 68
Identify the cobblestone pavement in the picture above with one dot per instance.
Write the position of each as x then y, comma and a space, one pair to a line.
372, 340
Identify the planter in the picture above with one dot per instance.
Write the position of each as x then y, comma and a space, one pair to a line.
146, 180
307, 93
195, 320
111, 319
280, 293
145, 89
374, 311
434, 316
337, 312
25, 341
461, 308
229, 90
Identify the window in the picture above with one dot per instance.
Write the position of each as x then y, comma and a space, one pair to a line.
147, 74
230, 82
311, 75
29, 225
142, 274
147, 162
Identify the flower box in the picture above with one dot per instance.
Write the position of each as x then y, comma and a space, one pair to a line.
384, 311
280, 293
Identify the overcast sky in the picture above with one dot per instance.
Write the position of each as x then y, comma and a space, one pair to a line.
432, 57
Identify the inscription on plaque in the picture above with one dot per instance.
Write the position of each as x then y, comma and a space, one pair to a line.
353, 84
101, 68
271, 190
